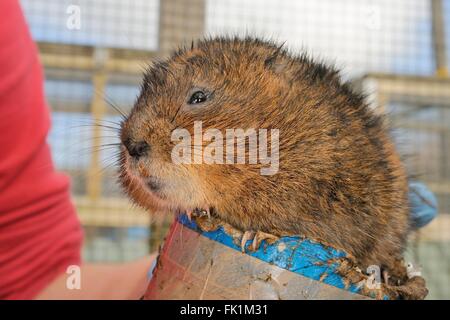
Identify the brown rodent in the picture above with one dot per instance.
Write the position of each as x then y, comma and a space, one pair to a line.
340, 180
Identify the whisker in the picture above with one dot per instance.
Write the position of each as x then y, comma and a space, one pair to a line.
103, 126
90, 121
110, 122
94, 149
110, 144
105, 137
111, 104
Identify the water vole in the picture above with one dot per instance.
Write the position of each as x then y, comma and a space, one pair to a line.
339, 180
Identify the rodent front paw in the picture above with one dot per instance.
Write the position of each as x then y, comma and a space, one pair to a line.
256, 237
204, 220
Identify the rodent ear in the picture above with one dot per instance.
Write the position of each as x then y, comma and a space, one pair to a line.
276, 62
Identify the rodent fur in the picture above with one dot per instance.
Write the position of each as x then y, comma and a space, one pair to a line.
340, 180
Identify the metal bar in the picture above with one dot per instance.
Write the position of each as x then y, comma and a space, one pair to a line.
437, 18
111, 212
188, 25
98, 111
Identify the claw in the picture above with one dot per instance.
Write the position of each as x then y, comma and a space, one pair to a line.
189, 214
202, 212
386, 277
257, 238
412, 271
248, 235
370, 282
260, 236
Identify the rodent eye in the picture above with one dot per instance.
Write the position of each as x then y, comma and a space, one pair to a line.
198, 97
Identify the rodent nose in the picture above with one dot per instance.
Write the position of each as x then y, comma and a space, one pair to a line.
136, 149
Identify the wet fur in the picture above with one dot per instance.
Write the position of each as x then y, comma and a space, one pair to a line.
340, 179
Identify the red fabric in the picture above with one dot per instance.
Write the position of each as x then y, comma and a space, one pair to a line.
40, 234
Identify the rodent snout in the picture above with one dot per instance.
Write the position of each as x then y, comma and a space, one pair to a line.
136, 149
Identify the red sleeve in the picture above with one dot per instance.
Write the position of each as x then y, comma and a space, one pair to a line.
40, 234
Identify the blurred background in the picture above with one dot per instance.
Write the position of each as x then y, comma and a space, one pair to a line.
94, 53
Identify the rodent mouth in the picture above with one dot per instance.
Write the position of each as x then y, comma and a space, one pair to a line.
150, 191
151, 185
154, 185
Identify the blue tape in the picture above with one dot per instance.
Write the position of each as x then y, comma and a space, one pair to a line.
423, 204
302, 256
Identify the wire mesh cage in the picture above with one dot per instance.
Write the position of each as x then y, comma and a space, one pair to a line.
94, 53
